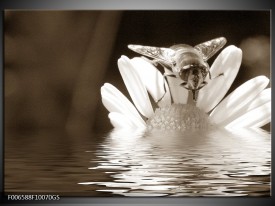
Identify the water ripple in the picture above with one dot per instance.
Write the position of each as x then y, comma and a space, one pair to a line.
216, 163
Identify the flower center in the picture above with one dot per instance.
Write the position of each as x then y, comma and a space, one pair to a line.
178, 117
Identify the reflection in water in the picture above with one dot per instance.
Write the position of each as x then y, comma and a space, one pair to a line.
217, 163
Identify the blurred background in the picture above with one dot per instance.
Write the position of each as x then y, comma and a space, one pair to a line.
56, 61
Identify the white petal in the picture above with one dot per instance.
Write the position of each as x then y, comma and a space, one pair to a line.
119, 120
254, 118
150, 76
260, 99
115, 101
234, 104
250, 133
166, 99
179, 94
227, 63
135, 87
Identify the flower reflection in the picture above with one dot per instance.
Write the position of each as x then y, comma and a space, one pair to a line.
162, 146
218, 163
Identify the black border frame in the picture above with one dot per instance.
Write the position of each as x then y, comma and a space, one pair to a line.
131, 5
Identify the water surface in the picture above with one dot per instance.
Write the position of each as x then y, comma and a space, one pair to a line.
217, 163
131, 163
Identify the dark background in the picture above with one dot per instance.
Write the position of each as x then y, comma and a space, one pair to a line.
56, 61
205, 4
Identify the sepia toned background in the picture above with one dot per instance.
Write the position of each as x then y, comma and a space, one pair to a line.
56, 61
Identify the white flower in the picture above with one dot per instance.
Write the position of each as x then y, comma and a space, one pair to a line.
248, 106
160, 105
